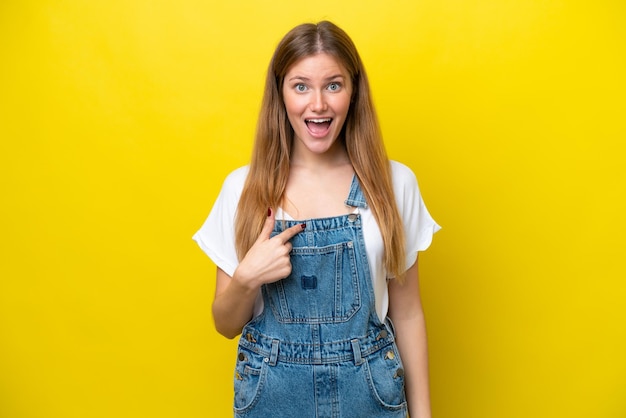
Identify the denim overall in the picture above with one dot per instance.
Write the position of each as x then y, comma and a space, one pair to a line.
318, 349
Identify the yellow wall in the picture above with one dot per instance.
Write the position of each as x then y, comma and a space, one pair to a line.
119, 120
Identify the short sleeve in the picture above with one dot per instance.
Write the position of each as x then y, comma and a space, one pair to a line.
419, 226
216, 237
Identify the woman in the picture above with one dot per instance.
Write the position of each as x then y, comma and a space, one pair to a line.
316, 245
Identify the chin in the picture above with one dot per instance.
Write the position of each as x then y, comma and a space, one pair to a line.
318, 146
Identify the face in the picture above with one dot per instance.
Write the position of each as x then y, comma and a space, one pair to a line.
317, 91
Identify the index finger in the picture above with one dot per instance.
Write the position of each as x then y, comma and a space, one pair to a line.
289, 233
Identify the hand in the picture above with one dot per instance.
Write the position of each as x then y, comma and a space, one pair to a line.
268, 259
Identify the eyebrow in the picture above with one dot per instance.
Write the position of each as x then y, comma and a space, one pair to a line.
302, 78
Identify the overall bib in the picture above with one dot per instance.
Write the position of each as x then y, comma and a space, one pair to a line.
318, 349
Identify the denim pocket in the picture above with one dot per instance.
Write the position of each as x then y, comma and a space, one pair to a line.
385, 375
250, 373
322, 288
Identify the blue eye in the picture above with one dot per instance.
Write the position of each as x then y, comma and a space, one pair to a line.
300, 87
334, 86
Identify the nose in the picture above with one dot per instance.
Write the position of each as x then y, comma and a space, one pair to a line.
318, 102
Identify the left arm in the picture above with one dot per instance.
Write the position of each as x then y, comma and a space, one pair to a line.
405, 310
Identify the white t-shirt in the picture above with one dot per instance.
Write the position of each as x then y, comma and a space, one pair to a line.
216, 237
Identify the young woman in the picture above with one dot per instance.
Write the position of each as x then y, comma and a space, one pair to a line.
316, 244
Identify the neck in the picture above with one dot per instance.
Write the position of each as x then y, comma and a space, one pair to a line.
335, 156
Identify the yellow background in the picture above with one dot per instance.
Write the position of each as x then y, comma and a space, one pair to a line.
119, 120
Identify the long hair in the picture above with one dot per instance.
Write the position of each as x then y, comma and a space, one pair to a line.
269, 165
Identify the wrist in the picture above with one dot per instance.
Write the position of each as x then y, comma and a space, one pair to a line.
246, 284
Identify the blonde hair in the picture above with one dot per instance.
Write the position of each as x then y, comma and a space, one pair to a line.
269, 165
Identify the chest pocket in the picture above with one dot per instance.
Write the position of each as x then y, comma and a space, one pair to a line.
323, 286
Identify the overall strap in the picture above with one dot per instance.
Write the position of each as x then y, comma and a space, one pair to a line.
356, 198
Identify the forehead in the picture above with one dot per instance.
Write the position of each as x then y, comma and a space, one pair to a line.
318, 65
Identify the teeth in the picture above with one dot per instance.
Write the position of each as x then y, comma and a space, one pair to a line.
319, 120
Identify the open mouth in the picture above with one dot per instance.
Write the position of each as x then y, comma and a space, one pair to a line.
319, 126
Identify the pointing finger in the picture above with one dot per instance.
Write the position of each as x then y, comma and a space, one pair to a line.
289, 233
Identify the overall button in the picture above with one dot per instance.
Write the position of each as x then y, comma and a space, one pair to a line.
399, 373
382, 334
352, 217
241, 357
390, 355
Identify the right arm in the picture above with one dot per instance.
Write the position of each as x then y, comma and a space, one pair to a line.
233, 304
267, 261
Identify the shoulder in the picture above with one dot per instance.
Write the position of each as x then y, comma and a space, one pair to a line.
232, 187
402, 176
235, 180
237, 177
